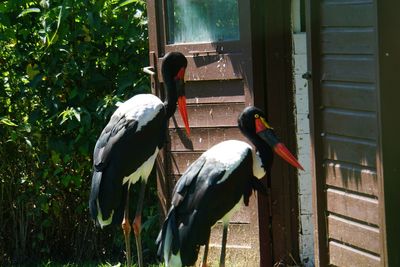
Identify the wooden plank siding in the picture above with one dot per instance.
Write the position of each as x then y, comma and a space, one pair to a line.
348, 68
345, 132
353, 233
342, 255
211, 115
213, 110
350, 96
353, 206
352, 177
346, 122
352, 13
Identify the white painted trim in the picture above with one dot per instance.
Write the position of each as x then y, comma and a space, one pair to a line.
306, 227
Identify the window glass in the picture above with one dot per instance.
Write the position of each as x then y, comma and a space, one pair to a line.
200, 21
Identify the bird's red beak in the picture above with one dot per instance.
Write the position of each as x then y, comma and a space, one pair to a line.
183, 111
179, 78
284, 153
267, 134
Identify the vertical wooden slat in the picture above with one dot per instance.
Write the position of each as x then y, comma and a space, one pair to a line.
279, 106
319, 200
388, 55
163, 183
258, 9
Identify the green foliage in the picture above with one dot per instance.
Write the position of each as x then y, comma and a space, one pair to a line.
63, 66
107, 264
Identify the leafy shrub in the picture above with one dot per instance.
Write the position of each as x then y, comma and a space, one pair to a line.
63, 64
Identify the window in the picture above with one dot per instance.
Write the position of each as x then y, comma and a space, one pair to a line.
202, 21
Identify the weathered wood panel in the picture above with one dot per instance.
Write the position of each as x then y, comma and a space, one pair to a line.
240, 248
342, 255
353, 206
203, 138
343, 60
348, 41
360, 124
348, 68
353, 233
181, 161
352, 177
209, 115
347, 13
213, 67
214, 91
360, 152
241, 234
350, 96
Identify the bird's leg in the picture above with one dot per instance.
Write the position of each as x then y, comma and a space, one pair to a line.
205, 254
223, 247
137, 223
126, 227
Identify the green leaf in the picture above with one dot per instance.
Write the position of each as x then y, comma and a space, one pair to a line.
28, 11
77, 114
45, 207
32, 71
7, 121
69, 113
55, 157
126, 2
65, 180
40, 236
28, 142
58, 26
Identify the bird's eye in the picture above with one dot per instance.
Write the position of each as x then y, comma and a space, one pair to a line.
256, 116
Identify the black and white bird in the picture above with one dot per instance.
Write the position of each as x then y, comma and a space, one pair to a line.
214, 186
128, 146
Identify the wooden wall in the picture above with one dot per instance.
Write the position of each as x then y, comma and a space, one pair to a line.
213, 115
344, 136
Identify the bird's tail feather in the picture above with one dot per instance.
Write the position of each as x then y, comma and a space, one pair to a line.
168, 240
96, 179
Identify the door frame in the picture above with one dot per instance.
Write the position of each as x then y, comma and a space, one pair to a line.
274, 93
387, 58
318, 195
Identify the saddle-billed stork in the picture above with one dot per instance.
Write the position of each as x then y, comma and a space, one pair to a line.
214, 186
127, 148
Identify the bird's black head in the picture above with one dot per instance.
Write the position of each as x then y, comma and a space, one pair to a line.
250, 119
173, 71
174, 66
253, 124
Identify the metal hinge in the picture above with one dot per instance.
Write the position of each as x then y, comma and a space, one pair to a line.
307, 75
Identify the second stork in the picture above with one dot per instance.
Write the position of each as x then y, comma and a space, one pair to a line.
214, 186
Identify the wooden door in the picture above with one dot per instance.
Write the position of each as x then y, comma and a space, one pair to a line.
214, 36
344, 122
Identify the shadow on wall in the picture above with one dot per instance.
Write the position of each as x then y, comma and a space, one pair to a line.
351, 164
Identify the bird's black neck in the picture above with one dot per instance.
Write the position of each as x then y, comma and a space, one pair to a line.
173, 65
171, 96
